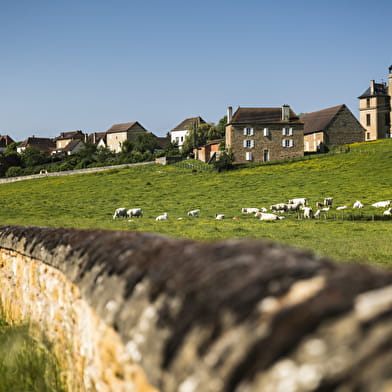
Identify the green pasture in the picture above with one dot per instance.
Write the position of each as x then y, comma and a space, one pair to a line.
89, 200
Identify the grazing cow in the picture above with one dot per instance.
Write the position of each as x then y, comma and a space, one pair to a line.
268, 217
138, 212
193, 213
219, 216
263, 209
301, 200
325, 209
279, 207
120, 213
387, 212
249, 210
162, 217
341, 208
358, 204
317, 214
318, 204
328, 201
382, 204
308, 212
293, 207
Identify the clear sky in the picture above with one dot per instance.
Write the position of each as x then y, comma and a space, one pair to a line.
89, 64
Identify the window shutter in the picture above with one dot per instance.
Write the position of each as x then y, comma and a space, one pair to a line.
251, 132
245, 131
252, 143
284, 143
291, 131
283, 131
266, 132
291, 143
245, 143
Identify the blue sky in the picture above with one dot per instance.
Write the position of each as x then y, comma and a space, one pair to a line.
68, 65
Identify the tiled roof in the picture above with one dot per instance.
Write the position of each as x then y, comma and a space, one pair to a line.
380, 89
261, 116
319, 121
5, 140
42, 143
71, 145
71, 135
123, 127
188, 122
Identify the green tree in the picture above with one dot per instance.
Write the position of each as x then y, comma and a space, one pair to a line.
145, 142
225, 161
7, 160
31, 156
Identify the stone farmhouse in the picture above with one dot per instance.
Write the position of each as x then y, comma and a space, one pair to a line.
264, 134
375, 109
181, 131
118, 133
331, 127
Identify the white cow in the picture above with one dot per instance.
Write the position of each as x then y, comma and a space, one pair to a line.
387, 212
138, 212
293, 206
382, 204
301, 201
308, 212
219, 216
249, 210
279, 207
162, 217
120, 213
193, 213
358, 204
268, 216
341, 207
317, 214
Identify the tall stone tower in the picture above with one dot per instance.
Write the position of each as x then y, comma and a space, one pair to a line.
375, 110
390, 98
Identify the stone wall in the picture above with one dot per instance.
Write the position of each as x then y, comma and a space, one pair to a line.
236, 315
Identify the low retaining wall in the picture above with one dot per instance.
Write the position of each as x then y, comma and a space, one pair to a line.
133, 311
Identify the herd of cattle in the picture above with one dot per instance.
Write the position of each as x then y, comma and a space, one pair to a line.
298, 205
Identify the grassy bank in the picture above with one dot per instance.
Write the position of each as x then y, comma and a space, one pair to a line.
89, 201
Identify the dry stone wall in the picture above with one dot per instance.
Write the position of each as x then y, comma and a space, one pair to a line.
135, 311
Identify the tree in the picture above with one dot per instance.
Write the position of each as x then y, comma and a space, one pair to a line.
145, 142
31, 157
7, 160
225, 161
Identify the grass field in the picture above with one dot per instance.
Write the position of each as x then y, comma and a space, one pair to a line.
89, 201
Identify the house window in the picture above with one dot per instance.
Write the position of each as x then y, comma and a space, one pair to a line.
287, 143
248, 156
266, 155
368, 120
177, 139
249, 143
287, 131
387, 118
368, 102
266, 132
248, 131
368, 135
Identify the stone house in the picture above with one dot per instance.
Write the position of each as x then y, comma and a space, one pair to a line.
264, 134
43, 144
118, 133
375, 109
334, 126
181, 131
5, 141
97, 138
67, 137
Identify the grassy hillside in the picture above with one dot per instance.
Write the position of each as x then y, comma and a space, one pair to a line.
89, 201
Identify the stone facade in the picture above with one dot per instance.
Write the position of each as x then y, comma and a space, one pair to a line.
118, 133
261, 135
335, 126
375, 110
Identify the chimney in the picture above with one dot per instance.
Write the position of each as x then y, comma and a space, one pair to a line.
229, 114
285, 113
372, 87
